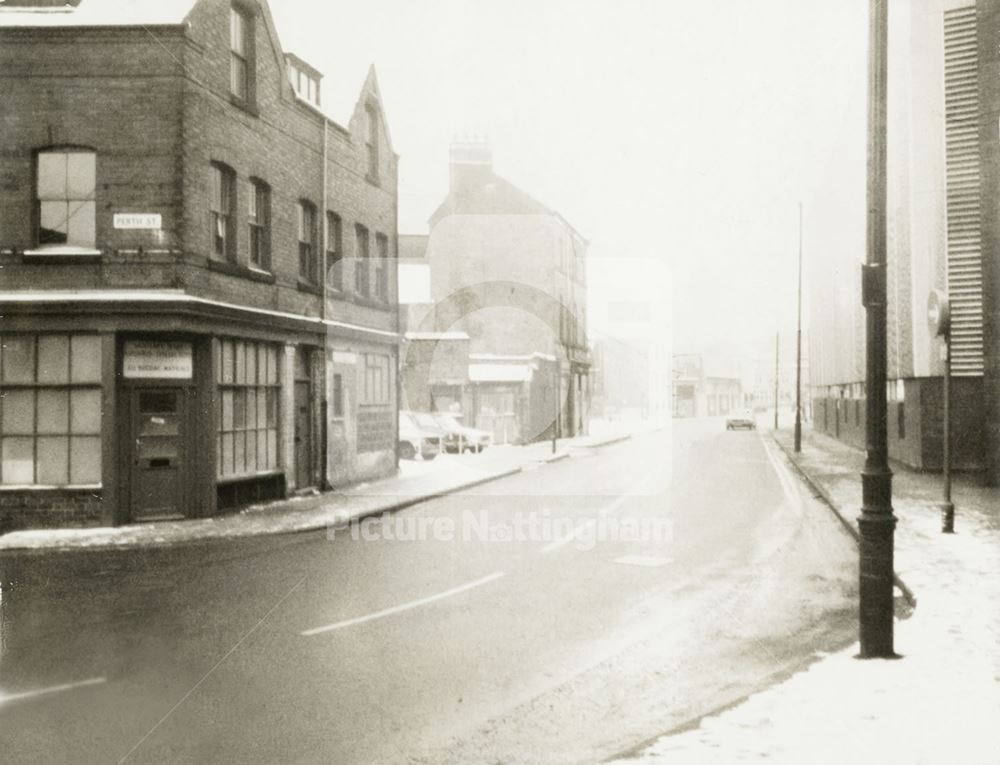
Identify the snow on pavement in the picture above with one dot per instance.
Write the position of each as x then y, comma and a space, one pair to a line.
939, 704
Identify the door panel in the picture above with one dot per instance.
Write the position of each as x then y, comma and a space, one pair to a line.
158, 453
303, 436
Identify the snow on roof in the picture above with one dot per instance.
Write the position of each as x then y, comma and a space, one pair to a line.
98, 13
500, 372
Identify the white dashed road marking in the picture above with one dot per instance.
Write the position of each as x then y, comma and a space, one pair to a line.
404, 607
8, 697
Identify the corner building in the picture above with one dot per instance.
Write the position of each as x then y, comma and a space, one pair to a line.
196, 306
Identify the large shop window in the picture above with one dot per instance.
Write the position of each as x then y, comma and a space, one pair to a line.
50, 410
377, 384
67, 208
247, 408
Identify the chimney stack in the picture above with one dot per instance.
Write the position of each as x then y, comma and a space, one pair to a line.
470, 161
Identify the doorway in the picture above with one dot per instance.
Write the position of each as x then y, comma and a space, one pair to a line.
158, 453
303, 435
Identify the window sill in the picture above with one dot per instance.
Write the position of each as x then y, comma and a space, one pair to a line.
246, 106
249, 476
51, 487
63, 254
235, 269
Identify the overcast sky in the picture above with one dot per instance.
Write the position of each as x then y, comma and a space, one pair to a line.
683, 130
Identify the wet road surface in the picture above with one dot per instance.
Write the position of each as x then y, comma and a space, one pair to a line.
492, 639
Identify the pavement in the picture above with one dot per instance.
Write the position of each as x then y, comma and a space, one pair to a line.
940, 702
416, 481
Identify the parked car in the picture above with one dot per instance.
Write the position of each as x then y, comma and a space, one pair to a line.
738, 420
415, 438
459, 437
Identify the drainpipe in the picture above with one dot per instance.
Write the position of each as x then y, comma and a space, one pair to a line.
323, 266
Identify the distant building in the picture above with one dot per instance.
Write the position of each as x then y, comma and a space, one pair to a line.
698, 392
510, 273
198, 311
631, 308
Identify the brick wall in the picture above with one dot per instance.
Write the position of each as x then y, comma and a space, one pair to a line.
50, 509
158, 112
919, 443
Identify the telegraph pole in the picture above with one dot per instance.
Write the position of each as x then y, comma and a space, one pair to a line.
877, 523
777, 337
798, 351
557, 385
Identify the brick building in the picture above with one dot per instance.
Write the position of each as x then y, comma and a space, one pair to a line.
197, 308
511, 274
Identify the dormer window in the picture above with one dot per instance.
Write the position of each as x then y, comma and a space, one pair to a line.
240, 55
304, 80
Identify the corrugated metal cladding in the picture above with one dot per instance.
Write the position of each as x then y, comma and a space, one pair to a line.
964, 265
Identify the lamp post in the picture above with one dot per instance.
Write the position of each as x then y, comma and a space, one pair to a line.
939, 320
557, 389
777, 337
877, 523
798, 350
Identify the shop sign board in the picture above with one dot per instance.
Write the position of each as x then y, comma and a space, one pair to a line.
157, 359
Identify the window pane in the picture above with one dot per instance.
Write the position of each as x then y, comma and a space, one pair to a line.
216, 202
53, 411
238, 76
239, 452
18, 412
86, 412
82, 231
53, 359
52, 175
237, 31
262, 374
227, 410
239, 408
227, 361
251, 362
53, 460
251, 415
241, 363
272, 365
85, 459
262, 458
19, 358
272, 408
53, 226
261, 409
81, 175
85, 358
18, 463
227, 454
251, 455
272, 449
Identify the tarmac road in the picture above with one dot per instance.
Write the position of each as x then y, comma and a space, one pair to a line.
494, 638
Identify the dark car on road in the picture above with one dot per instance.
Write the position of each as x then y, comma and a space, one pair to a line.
741, 420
